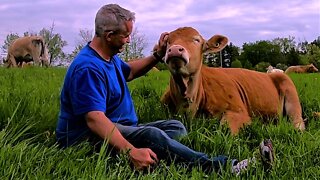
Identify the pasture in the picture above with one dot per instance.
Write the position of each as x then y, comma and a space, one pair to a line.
29, 106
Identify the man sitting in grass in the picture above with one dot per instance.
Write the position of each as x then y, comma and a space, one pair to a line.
96, 104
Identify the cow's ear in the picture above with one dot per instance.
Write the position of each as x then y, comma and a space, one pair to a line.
216, 43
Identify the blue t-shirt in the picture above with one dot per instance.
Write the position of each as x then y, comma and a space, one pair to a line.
93, 84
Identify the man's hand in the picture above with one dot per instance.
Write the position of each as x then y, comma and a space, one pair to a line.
161, 47
142, 158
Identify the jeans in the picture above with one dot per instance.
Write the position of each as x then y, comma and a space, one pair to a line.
160, 136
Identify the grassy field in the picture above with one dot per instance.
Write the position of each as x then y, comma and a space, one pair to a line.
29, 108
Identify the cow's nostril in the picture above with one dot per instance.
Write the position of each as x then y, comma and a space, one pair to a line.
169, 50
181, 49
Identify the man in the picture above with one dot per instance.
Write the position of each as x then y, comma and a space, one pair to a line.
96, 103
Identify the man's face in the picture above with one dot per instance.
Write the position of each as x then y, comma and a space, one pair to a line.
119, 39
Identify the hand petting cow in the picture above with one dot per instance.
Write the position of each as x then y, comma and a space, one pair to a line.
27, 49
232, 94
310, 68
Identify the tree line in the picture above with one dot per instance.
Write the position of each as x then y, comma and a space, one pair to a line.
279, 52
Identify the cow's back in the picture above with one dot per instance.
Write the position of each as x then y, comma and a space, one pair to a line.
242, 86
295, 69
21, 46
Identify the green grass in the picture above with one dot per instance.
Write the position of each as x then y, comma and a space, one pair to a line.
29, 108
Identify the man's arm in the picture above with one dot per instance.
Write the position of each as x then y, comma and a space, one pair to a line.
141, 66
102, 126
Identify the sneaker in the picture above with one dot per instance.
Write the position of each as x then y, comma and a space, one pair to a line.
267, 154
238, 167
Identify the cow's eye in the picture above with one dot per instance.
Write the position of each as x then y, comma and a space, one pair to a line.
197, 40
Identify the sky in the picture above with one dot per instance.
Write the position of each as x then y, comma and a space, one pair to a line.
242, 21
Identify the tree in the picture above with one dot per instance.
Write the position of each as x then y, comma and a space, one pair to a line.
293, 58
310, 53
27, 33
85, 36
290, 51
211, 59
316, 42
233, 51
54, 43
261, 66
135, 48
225, 58
313, 54
9, 39
302, 47
236, 64
261, 51
246, 64
286, 44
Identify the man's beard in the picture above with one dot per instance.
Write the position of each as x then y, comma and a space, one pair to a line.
117, 49
120, 49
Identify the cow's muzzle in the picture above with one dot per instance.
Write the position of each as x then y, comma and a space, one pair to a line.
178, 55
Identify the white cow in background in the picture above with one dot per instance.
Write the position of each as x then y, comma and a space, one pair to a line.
271, 69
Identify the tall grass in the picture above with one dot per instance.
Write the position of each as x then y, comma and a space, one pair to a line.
29, 108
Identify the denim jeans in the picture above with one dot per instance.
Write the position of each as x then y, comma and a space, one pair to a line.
160, 136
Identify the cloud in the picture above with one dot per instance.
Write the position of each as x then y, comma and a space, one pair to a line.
241, 21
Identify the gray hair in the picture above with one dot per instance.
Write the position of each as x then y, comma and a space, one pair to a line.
112, 17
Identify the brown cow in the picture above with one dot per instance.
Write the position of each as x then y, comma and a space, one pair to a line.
302, 69
27, 49
234, 95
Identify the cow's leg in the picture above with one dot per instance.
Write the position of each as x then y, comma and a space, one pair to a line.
35, 54
290, 100
12, 61
20, 64
23, 64
236, 120
44, 62
293, 108
37, 61
281, 105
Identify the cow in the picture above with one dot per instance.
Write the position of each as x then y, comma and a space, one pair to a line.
27, 49
234, 95
271, 69
310, 68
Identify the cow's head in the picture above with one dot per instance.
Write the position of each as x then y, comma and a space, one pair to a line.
312, 68
185, 48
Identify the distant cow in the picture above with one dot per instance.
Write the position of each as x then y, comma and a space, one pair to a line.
232, 94
302, 69
27, 49
271, 69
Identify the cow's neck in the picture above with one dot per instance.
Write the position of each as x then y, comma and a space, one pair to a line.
188, 88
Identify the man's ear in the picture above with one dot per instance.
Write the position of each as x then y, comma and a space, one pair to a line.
108, 35
216, 43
